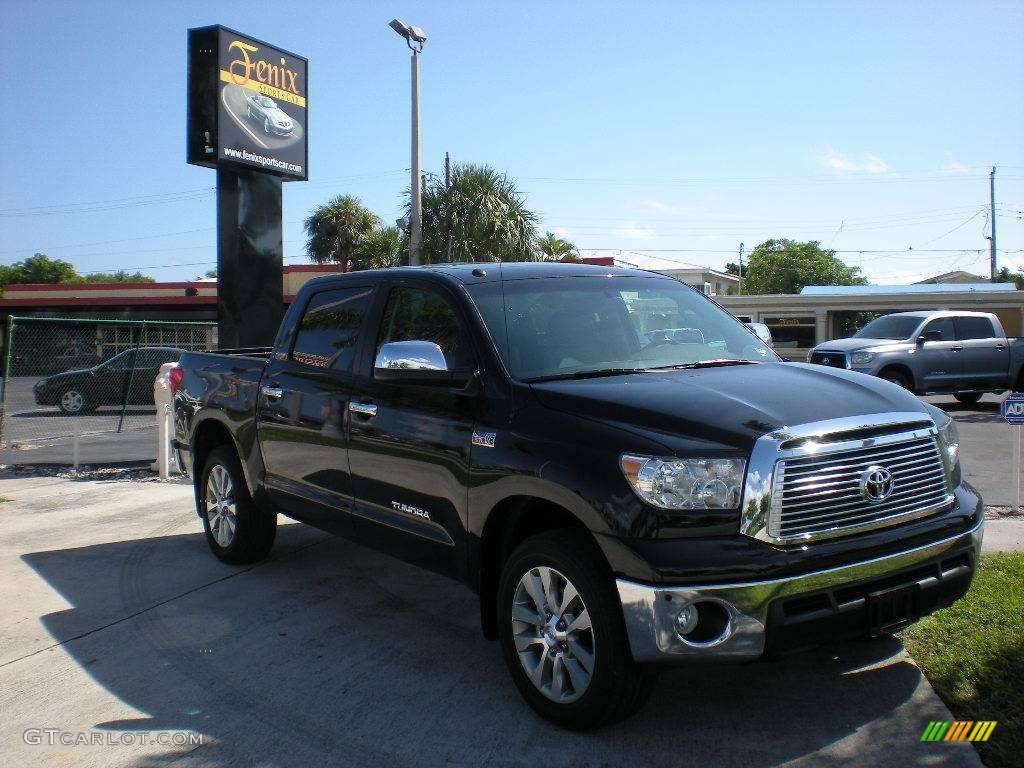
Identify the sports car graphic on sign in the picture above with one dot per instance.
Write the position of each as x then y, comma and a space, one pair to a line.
264, 110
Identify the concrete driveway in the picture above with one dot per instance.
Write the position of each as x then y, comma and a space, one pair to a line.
117, 621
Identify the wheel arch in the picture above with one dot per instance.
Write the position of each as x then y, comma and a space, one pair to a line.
509, 522
209, 433
901, 368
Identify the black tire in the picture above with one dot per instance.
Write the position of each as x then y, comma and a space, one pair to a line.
75, 402
896, 377
254, 528
618, 687
967, 398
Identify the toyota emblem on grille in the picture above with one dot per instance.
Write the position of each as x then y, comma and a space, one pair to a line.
876, 484
825, 361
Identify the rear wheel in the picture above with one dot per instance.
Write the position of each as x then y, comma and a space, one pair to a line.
237, 529
562, 634
967, 398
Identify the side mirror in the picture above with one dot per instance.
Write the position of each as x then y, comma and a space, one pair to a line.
414, 362
930, 336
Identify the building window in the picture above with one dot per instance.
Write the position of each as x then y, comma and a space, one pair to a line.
792, 332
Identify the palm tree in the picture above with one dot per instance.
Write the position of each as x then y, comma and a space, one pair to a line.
555, 248
481, 216
383, 247
336, 229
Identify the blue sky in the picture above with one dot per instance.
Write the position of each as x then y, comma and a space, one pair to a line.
680, 128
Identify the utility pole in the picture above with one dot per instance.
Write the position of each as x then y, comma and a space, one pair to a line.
741, 269
992, 214
447, 171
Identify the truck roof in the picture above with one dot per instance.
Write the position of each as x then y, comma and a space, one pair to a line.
490, 271
941, 313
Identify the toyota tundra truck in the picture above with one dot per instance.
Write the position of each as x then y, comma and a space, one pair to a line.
966, 354
624, 473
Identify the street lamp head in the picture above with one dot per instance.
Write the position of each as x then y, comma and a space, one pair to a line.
410, 33
400, 28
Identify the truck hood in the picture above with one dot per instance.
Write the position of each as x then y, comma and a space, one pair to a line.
854, 344
730, 406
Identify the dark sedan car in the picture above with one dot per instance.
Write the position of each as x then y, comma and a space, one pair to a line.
129, 374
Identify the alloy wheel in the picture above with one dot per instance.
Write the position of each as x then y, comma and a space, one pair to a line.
72, 401
553, 635
221, 512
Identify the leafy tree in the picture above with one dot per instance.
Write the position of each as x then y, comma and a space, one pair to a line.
336, 229
114, 277
1004, 275
382, 247
555, 248
481, 216
732, 268
786, 266
40, 268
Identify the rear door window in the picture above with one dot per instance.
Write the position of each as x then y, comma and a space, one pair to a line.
329, 330
968, 328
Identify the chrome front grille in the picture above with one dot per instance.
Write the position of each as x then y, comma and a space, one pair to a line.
826, 493
844, 476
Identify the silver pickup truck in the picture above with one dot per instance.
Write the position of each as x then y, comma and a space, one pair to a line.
966, 354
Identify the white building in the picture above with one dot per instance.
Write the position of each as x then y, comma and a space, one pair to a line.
710, 281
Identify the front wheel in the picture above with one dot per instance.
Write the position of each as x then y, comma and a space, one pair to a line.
74, 402
562, 634
237, 529
896, 378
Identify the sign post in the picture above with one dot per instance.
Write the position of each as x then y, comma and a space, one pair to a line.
1012, 409
247, 118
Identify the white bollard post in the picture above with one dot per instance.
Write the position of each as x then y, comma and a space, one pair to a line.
164, 401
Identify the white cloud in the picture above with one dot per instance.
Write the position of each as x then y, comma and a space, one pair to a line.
632, 231
843, 163
954, 167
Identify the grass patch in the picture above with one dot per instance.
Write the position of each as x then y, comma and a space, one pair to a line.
973, 655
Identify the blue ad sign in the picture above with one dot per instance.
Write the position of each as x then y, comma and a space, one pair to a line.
1013, 409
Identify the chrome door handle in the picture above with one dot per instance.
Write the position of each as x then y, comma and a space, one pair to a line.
956, 349
272, 393
1000, 347
363, 409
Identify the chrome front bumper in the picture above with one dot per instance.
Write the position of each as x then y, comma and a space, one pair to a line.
650, 611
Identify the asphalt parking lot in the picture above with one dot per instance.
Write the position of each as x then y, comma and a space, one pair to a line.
41, 434
986, 447
117, 620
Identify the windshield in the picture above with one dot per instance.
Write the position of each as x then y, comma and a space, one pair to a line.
895, 327
546, 328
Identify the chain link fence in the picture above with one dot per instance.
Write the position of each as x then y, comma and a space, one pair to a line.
81, 391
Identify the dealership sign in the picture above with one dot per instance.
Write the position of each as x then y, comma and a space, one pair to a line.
247, 104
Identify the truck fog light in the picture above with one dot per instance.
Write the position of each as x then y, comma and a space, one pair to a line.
686, 620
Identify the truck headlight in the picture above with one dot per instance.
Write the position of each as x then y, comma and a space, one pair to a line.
950, 439
862, 358
685, 483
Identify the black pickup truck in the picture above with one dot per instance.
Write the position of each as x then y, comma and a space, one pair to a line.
624, 473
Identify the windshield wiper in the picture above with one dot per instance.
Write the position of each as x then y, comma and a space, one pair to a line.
596, 374
705, 364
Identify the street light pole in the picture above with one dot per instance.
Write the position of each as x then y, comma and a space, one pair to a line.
416, 217
414, 38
